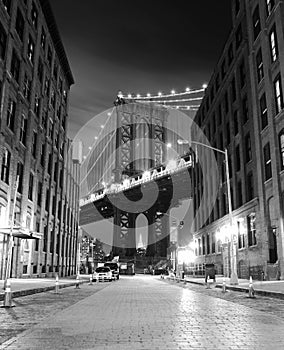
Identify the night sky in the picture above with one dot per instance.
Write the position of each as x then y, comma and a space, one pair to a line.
137, 47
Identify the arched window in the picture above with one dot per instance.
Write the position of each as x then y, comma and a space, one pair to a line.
281, 148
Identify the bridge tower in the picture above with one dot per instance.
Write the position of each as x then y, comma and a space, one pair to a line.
140, 145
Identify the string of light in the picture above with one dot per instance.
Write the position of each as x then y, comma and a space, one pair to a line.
148, 96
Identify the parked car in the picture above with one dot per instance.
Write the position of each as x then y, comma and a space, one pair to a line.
102, 273
114, 269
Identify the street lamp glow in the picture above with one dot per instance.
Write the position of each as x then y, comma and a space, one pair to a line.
204, 86
102, 126
148, 95
169, 145
187, 89
159, 94
173, 92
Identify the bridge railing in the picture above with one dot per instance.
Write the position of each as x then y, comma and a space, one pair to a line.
147, 176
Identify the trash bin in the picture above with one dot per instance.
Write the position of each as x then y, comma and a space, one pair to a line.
210, 272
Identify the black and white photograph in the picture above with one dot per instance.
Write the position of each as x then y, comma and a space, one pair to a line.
142, 175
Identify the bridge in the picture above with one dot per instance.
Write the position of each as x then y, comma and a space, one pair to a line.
137, 166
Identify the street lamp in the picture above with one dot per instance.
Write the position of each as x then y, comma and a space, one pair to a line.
234, 275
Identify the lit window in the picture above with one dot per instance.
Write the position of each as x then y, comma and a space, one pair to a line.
31, 49
241, 236
269, 6
273, 44
34, 15
20, 173
42, 39
7, 5
5, 169
31, 187
251, 229
278, 95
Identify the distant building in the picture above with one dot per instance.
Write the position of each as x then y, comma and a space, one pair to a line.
243, 111
35, 80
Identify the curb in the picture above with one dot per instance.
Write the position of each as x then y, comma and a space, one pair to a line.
259, 292
26, 292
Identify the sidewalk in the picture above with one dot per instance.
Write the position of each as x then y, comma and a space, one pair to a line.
274, 289
27, 286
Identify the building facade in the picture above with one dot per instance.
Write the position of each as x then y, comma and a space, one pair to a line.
242, 111
36, 163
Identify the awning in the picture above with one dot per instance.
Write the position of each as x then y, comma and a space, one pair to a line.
20, 232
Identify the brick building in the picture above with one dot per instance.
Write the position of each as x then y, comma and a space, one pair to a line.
35, 80
243, 111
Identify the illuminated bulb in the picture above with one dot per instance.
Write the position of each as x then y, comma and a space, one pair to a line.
159, 94
129, 95
148, 95
188, 107
138, 95
96, 137
169, 145
177, 107
84, 157
102, 126
187, 89
90, 148
173, 92
120, 94
204, 86
109, 114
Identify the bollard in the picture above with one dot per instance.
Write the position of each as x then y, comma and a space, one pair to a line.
91, 280
77, 282
56, 285
251, 289
224, 286
8, 295
207, 283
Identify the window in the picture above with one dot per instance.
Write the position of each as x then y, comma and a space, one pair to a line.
267, 162
11, 113
256, 22
3, 41
20, 24
239, 36
281, 148
40, 70
15, 66
236, 123
248, 148
34, 144
49, 56
269, 6
49, 167
273, 44
47, 199
27, 87
226, 102
31, 49
239, 193
7, 5
230, 54
203, 245
34, 15
278, 95
251, 229
23, 129
245, 109
37, 106
263, 111
208, 243
39, 194
223, 69
237, 158
20, 174
5, 169
228, 133
259, 66
213, 249
250, 186
31, 187
241, 236
242, 72
233, 90
43, 39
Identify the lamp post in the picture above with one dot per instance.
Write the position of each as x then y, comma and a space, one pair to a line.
234, 275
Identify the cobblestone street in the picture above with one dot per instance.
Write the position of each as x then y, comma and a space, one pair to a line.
143, 312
